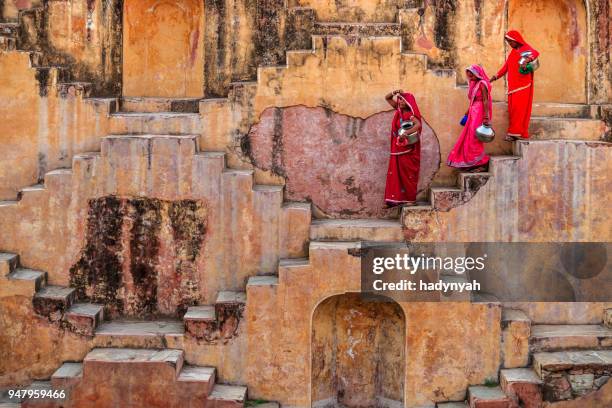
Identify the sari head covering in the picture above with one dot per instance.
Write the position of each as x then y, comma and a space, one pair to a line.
474, 85
411, 102
515, 36
399, 115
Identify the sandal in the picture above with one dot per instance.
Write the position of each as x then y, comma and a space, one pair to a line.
510, 138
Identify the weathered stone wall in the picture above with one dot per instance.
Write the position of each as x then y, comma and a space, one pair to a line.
9, 9
84, 36
44, 124
360, 10
213, 227
163, 48
358, 351
556, 192
337, 162
441, 359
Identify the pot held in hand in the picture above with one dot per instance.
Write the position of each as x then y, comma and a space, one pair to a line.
407, 133
485, 133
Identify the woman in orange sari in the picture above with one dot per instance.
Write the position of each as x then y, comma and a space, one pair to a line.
520, 86
404, 159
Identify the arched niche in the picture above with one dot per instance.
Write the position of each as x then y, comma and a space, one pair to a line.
358, 352
558, 29
163, 52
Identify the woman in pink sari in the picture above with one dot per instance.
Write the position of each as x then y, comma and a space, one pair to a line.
469, 153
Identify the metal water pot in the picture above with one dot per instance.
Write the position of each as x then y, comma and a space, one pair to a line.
485, 133
405, 130
532, 66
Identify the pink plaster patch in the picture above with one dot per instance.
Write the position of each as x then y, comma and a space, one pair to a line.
337, 161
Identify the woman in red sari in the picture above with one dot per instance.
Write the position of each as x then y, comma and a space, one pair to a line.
469, 153
520, 86
404, 160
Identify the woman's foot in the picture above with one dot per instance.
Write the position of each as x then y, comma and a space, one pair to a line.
509, 138
479, 169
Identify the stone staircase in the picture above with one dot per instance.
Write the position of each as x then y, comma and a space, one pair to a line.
135, 378
561, 363
59, 304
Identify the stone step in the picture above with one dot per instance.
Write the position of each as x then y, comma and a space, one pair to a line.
68, 375
572, 374
522, 385
53, 301
566, 337
78, 89
292, 266
33, 279
356, 230
487, 397
164, 123
150, 105
9, 29
357, 29
84, 318
8, 263
561, 110
194, 378
227, 396
458, 404
557, 361
549, 128
8, 44
140, 334
516, 329
158, 359
228, 297
267, 280
6, 401
46, 402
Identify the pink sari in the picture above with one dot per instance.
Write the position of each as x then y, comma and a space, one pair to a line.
469, 151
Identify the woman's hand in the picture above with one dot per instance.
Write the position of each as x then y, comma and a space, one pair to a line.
494, 78
397, 91
486, 122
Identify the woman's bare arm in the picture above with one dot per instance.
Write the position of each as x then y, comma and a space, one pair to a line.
485, 102
417, 123
390, 100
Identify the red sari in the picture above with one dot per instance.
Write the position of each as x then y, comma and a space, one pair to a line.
520, 88
404, 161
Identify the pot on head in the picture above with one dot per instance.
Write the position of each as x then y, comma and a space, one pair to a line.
485, 133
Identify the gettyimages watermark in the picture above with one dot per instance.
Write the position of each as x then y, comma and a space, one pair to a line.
506, 272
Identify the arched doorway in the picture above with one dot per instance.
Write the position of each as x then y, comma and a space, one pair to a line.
163, 48
558, 30
358, 352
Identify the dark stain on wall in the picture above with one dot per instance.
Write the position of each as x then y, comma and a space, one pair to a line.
106, 77
125, 235
42, 77
268, 36
145, 214
97, 274
188, 219
444, 27
600, 42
